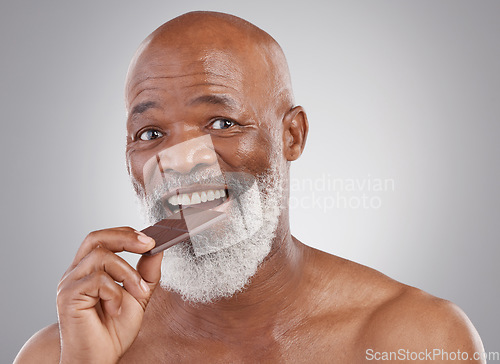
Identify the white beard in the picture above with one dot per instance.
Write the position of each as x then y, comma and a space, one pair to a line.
205, 278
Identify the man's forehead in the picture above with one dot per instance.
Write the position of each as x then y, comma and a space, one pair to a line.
167, 62
214, 50
219, 70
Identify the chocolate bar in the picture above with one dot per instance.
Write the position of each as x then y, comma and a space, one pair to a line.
178, 227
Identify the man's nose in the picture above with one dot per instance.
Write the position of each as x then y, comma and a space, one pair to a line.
185, 156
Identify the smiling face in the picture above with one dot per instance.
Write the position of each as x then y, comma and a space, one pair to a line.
206, 98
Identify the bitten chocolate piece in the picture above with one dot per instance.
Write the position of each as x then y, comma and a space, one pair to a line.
179, 226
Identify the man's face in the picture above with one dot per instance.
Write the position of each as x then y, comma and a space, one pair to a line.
177, 99
177, 95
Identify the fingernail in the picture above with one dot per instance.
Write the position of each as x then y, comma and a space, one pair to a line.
144, 286
143, 238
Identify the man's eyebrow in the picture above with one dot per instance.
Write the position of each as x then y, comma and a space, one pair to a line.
215, 100
143, 106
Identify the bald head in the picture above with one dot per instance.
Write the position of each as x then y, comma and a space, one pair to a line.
207, 73
224, 46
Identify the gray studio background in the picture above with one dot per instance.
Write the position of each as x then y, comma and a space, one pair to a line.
405, 92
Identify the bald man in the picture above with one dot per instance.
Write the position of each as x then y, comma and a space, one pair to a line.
210, 106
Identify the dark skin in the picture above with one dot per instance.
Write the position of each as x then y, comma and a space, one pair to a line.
213, 74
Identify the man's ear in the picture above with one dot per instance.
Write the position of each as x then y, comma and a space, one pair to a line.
295, 128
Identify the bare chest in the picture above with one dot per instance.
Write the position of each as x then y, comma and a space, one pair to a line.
318, 343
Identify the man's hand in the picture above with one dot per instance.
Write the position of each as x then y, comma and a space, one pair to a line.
99, 319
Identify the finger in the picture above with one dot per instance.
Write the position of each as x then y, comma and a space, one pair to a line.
115, 240
83, 294
101, 259
149, 267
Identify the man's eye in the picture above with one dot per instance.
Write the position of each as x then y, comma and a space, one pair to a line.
222, 124
150, 134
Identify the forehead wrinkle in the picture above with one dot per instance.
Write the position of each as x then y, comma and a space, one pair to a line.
214, 99
168, 77
211, 84
205, 73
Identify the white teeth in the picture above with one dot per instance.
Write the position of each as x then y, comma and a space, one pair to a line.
195, 198
187, 199
173, 200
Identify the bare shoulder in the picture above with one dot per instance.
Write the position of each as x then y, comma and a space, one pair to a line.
419, 324
383, 315
44, 347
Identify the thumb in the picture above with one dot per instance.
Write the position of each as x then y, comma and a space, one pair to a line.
149, 267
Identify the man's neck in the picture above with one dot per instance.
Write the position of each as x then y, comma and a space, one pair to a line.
261, 309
